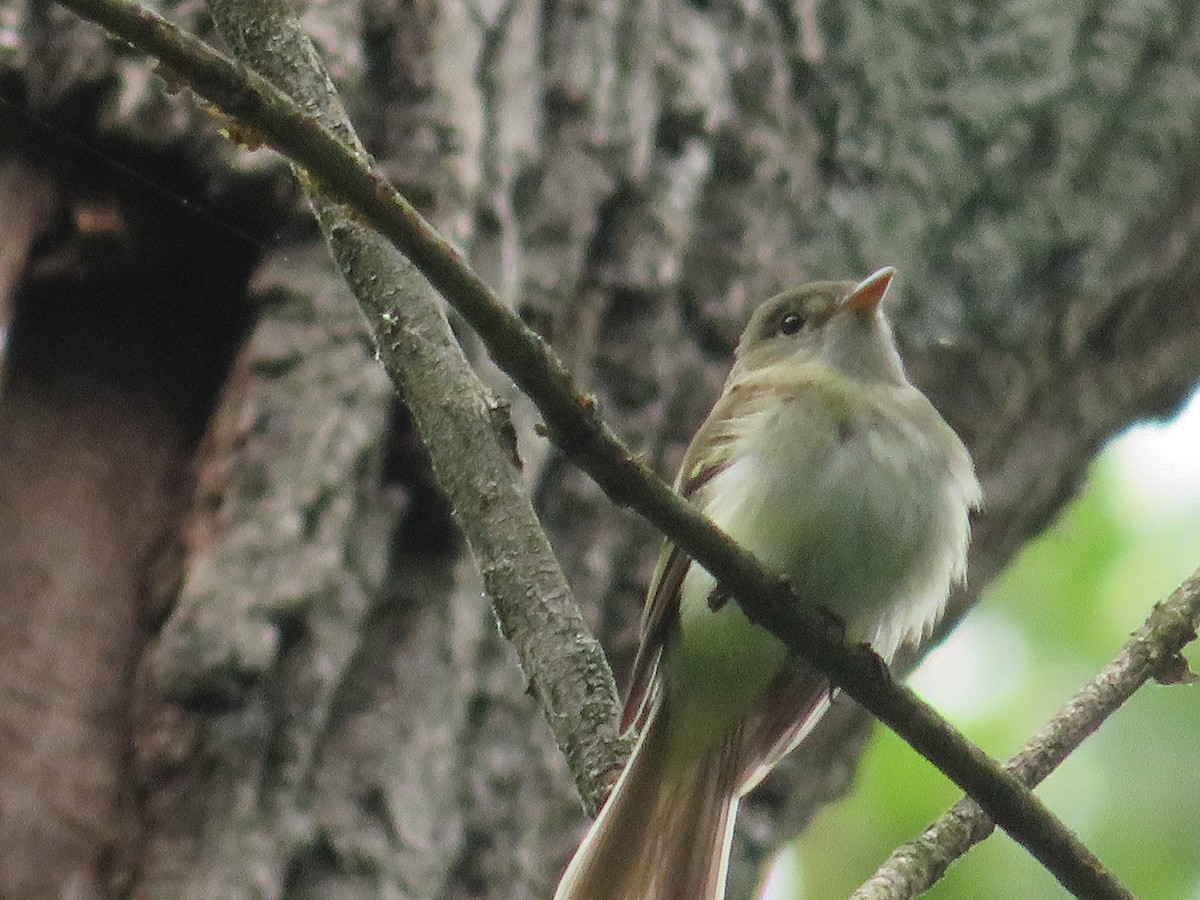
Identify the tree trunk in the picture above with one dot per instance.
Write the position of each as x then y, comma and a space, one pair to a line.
245, 649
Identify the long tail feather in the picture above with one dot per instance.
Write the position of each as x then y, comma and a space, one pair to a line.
665, 832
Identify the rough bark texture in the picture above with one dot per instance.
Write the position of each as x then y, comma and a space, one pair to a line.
634, 176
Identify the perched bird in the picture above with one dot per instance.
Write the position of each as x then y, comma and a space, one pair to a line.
822, 460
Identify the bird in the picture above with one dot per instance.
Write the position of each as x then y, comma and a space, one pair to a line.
824, 461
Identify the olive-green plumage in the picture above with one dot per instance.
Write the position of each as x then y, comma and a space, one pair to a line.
832, 469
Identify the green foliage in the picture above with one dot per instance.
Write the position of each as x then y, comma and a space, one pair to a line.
1045, 627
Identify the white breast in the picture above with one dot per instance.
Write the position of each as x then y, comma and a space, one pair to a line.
863, 506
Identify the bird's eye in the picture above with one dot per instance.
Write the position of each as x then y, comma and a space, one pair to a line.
791, 323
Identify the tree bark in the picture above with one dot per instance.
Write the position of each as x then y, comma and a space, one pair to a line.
232, 597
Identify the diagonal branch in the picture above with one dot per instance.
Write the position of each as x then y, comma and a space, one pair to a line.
1152, 652
461, 424
574, 425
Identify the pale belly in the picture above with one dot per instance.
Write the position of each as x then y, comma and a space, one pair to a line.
869, 521
855, 524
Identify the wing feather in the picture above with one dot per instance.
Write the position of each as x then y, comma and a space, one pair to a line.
708, 455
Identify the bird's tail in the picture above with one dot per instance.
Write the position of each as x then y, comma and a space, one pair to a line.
665, 832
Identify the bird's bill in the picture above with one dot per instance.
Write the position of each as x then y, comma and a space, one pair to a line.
869, 293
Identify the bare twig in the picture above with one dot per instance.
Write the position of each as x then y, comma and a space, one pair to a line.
574, 425
458, 420
1152, 652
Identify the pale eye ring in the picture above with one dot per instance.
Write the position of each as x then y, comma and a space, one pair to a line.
791, 323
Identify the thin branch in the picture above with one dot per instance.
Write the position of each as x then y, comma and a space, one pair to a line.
459, 422
1152, 652
573, 424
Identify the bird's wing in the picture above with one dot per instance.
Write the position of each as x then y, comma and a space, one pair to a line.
776, 725
708, 455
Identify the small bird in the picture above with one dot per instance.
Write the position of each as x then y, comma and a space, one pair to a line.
822, 460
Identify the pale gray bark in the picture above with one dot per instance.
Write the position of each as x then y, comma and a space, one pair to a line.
633, 177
